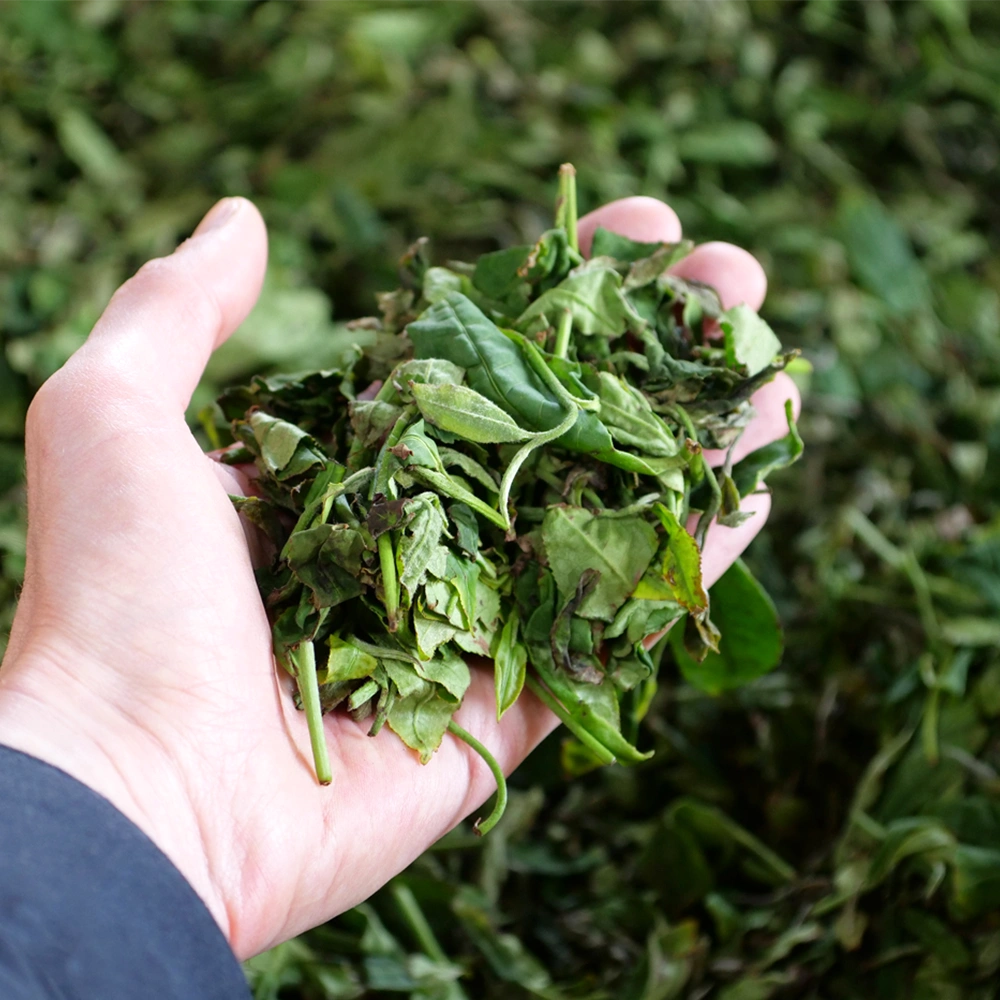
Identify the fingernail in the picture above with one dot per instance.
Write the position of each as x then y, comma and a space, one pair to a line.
219, 215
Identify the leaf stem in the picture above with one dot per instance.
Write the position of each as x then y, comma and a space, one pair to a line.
483, 826
563, 332
566, 206
304, 659
519, 459
414, 916
390, 582
567, 719
706, 470
380, 482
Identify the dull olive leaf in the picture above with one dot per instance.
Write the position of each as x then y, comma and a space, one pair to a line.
372, 419
730, 515
327, 559
466, 528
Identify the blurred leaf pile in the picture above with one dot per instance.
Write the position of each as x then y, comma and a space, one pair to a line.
833, 830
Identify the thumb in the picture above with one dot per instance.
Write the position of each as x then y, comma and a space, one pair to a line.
161, 326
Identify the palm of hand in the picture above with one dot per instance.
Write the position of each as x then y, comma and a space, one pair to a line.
140, 660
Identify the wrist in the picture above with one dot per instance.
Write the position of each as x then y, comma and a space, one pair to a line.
47, 713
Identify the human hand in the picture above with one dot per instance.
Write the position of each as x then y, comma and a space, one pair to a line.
140, 660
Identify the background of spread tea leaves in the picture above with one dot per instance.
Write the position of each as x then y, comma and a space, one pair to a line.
792, 838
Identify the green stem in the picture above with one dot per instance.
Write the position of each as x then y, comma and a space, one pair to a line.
304, 659
380, 482
566, 718
483, 826
519, 459
566, 208
414, 916
709, 474
571, 404
563, 332
390, 582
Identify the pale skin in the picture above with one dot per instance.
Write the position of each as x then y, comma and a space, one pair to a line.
140, 658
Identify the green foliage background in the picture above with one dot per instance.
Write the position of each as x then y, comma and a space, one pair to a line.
832, 830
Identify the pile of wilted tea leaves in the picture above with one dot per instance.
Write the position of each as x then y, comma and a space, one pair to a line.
830, 830
514, 485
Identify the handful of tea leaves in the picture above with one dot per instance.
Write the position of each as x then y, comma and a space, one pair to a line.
514, 483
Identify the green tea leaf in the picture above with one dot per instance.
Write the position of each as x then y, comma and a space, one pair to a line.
457, 330
465, 412
286, 450
618, 548
478, 473
626, 412
750, 339
447, 669
679, 560
346, 662
498, 274
420, 719
606, 243
510, 658
431, 633
420, 550
594, 299
751, 642
327, 559
751, 471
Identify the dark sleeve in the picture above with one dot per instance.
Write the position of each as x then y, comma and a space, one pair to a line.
90, 908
